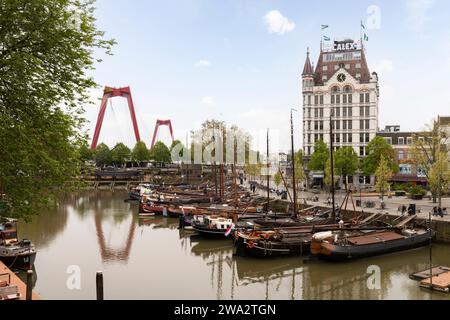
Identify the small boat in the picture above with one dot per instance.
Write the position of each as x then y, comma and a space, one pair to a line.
273, 243
14, 253
146, 215
151, 207
344, 245
213, 227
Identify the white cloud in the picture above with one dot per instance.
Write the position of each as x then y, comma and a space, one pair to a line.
277, 23
203, 64
208, 101
418, 12
383, 66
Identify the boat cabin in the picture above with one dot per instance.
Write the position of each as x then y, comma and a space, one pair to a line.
218, 223
8, 234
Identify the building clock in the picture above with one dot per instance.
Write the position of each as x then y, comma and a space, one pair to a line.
341, 77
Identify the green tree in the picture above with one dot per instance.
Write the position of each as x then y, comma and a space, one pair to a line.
319, 157
383, 174
120, 154
346, 163
376, 149
140, 153
277, 179
86, 154
427, 146
102, 155
439, 176
47, 53
160, 153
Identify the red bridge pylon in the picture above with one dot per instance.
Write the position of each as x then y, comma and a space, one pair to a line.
108, 94
162, 123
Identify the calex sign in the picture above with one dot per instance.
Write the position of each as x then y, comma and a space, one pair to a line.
345, 45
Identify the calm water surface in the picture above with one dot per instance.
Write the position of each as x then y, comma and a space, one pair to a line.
151, 259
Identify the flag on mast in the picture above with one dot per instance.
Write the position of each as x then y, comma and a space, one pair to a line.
325, 38
324, 26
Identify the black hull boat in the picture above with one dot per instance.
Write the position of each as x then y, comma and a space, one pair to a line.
21, 261
261, 248
277, 242
15, 254
215, 227
332, 248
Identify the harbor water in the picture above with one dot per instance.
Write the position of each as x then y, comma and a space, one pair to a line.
151, 259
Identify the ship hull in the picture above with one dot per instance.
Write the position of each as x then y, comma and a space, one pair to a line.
22, 261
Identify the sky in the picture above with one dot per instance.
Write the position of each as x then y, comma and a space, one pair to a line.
240, 61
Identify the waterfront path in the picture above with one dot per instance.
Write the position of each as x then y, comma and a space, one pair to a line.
392, 204
15, 281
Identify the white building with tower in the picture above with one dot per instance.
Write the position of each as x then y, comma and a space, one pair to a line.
341, 88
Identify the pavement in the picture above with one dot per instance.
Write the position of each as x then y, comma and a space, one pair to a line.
424, 207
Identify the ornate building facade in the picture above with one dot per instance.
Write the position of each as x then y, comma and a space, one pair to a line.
342, 92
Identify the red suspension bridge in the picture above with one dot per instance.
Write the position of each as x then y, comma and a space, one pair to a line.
110, 93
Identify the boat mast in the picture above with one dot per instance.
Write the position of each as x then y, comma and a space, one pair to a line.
187, 164
268, 176
294, 184
332, 167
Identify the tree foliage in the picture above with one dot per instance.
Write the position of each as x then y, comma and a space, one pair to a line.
102, 155
120, 154
346, 163
383, 175
277, 179
46, 51
426, 150
86, 154
439, 176
140, 152
376, 149
160, 153
319, 157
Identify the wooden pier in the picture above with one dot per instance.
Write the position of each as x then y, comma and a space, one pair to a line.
15, 281
440, 280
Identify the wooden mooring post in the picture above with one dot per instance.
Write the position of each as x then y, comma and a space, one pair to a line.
99, 285
29, 292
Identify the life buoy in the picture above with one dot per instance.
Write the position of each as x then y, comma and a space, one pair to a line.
250, 244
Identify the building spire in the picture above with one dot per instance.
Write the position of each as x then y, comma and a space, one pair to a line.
307, 69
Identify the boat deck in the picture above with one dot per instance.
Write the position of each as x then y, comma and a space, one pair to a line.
15, 281
375, 238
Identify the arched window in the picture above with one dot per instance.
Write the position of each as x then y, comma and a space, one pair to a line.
335, 90
348, 89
